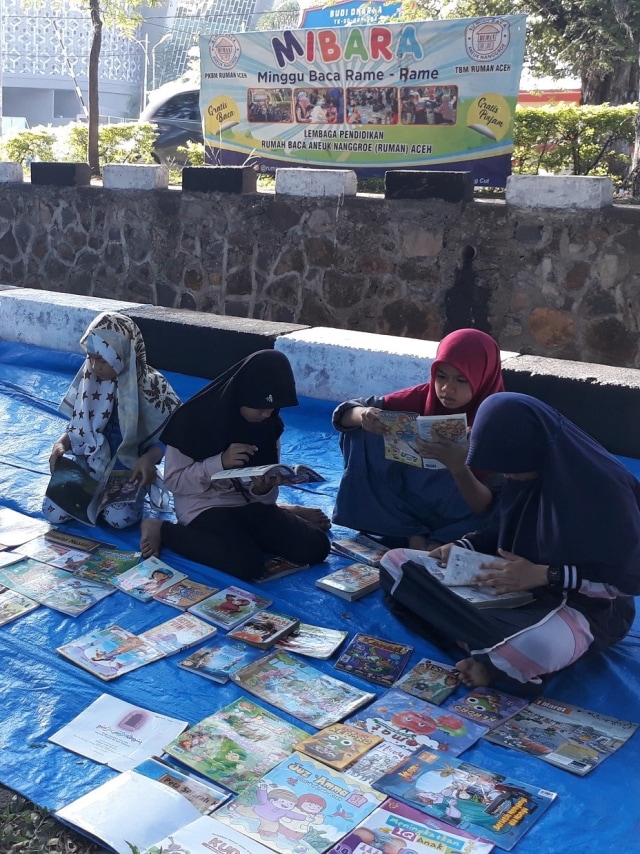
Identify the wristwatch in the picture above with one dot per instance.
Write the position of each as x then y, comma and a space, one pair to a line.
555, 576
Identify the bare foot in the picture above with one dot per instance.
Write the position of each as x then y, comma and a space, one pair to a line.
313, 515
150, 537
475, 673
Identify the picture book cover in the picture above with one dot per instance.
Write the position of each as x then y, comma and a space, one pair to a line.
396, 828
378, 761
279, 567
300, 806
54, 553
400, 437
264, 628
413, 724
31, 578
14, 605
313, 641
185, 593
374, 659
482, 802
568, 737
229, 607
220, 659
16, 528
351, 582
338, 745
430, 680
52, 587
204, 835
432, 428
300, 689
178, 633
147, 578
487, 706
360, 548
288, 475
109, 652
236, 745
105, 564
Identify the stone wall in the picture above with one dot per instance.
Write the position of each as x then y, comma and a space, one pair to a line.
546, 282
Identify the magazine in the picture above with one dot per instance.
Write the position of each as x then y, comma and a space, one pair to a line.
110, 652
236, 745
414, 724
229, 607
352, 582
204, 835
264, 628
378, 761
278, 567
403, 428
309, 806
377, 660
485, 803
185, 593
178, 633
54, 588
398, 828
16, 528
487, 706
103, 732
289, 475
219, 660
568, 737
360, 548
300, 689
14, 605
338, 745
74, 490
430, 680
313, 641
147, 578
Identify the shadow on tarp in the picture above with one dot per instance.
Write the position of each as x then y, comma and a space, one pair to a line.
39, 691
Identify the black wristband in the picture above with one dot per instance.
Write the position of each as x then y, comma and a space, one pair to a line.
555, 577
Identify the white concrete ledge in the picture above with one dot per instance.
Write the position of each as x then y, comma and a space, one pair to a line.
135, 176
568, 192
315, 183
11, 173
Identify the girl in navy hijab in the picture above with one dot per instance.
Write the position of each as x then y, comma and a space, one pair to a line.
568, 530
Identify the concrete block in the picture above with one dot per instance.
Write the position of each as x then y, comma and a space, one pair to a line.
316, 183
129, 176
11, 173
61, 174
219, 179
567, 192
425, 184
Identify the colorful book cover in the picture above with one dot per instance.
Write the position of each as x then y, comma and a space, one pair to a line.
338, 745
229, 607
430, 680
300, 689
236, 745
375, 659
568, 737
414, 724
400, 438
487, 706
378, 761
109, 652
204, 835
300, 806
482, 802
313, 641
14, 605
185, 593
106, 564
219, 660
397, 828
360, 548
352, 582
55, 588
264, 628
178, 633
433, 428
31, 578
54, 553
147, 578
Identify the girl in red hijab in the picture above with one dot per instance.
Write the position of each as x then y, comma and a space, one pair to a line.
401, 503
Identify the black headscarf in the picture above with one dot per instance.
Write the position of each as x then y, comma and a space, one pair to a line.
210, 421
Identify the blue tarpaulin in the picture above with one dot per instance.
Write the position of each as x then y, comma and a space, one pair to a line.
40, 692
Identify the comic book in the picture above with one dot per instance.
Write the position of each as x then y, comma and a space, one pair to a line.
360, 548
218, 660
109, 652
206, 835
374, 659
264, 628
52, 587
185, 593
338, 745
378, 761
313, 641
300, 806
178, 633
491, 805
147, 578
487, 706
413, 724
236, 745
229, 607
568, 737
351, 582
430, 680
300, 689
14, 605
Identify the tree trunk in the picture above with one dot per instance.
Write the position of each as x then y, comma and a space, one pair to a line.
94, 101
619, 86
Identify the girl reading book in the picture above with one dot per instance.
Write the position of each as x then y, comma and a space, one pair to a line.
568, 529
115, 405
408, 505
229, 524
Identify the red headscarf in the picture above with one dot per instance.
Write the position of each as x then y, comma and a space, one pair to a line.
471, 352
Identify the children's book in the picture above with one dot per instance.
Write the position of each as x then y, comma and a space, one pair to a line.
236, 745
313, 641
300, 689
360, 548
464, 567
485, 803
54, 553
16, 528
178, 633
217, 661
278, 567
433, 428
264, 628
7, 558
300, 807
75, 541
105, 564
375, 659
14, 605
378, 761
110, 652
117, 734
404, 428
487, 706
54, 588
289, 475
229, 607
396, 828
147, 578
430, 680
338, 745
352, 582
413, 724
204, 835
185, 593
568, 737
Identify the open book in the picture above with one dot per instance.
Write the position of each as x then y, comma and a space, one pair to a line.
405, 427
291, 475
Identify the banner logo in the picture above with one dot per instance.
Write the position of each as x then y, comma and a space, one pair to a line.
487, 39
224, 51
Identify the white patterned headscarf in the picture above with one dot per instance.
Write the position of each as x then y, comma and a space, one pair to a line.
143, 396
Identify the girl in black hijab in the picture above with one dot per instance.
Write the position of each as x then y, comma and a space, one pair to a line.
227, 524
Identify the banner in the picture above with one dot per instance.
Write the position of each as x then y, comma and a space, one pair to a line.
421, 95
347, 13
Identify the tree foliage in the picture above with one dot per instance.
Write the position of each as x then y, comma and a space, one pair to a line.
285, 16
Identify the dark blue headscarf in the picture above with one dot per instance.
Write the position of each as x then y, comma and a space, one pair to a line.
583, 509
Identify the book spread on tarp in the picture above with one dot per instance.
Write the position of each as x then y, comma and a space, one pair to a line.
361, 548
229, 607
351, 582
147, 578
205, 835
55, 588
313, 641
220, 659
109, 652
430, 680
338, 745
375, 659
